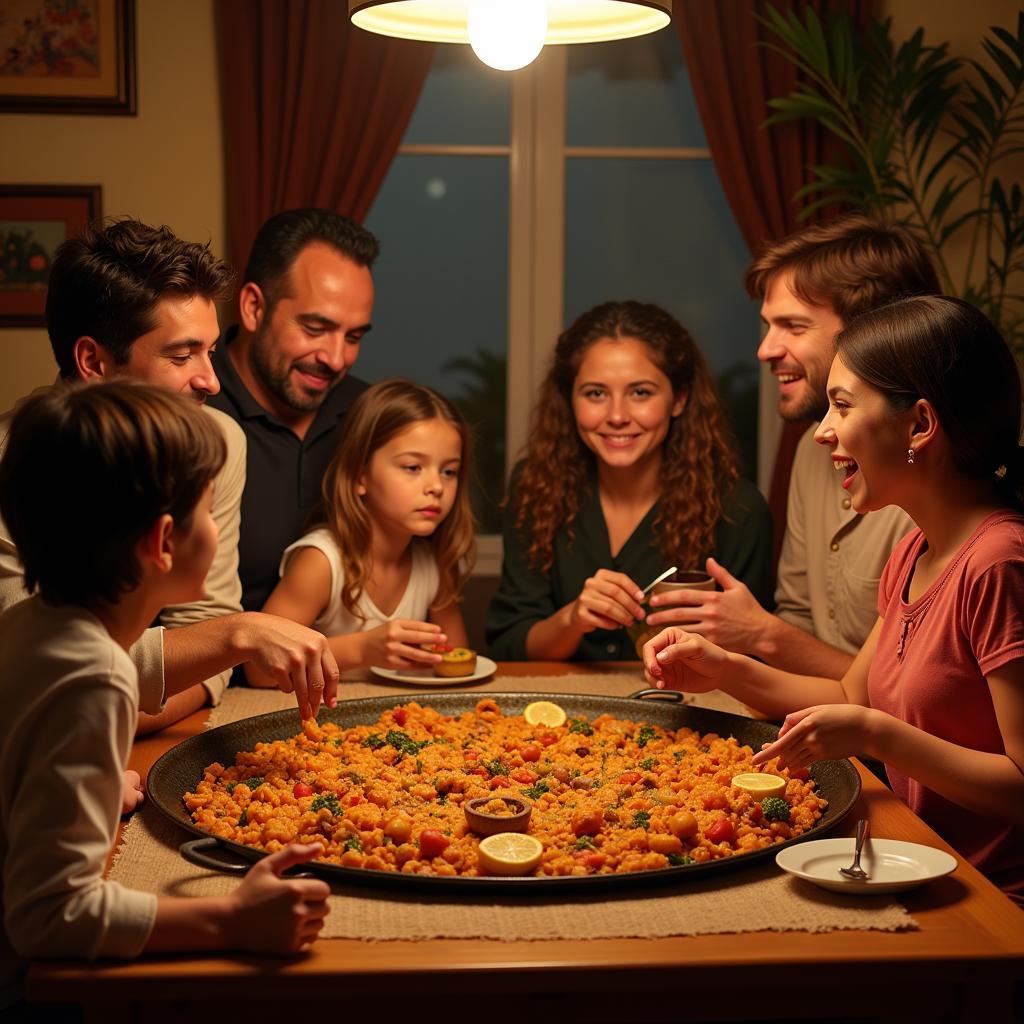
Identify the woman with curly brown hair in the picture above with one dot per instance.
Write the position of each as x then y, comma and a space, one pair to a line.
629, 469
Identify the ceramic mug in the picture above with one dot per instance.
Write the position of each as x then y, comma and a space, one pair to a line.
692, 579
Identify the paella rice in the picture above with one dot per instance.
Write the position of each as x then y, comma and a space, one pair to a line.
609, 795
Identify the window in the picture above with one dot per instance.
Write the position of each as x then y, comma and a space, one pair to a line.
519, 201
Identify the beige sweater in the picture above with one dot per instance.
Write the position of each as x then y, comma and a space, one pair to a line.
70, 697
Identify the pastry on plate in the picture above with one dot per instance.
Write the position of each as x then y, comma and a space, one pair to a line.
455, 661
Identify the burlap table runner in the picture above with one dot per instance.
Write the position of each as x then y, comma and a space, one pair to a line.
761, 898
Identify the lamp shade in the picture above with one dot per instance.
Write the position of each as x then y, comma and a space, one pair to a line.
569, 21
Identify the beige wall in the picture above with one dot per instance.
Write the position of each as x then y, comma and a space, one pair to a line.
164, 165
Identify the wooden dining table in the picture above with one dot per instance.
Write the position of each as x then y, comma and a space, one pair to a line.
962, 963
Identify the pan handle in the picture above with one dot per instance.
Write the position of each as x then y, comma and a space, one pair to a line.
195, 852
673, 695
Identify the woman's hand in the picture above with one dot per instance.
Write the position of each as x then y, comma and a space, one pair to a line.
608, 600
730, 617
397, 644
271, 914
824, 732
683, 661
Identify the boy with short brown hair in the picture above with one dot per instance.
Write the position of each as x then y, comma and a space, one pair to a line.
107, 493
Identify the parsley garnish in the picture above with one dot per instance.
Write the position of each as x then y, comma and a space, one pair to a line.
404, 743
648, 763
328, 801
679, 859
496, 767
645, 735
582, 726
642, 819
374, 742
535, 791
354, 843
585, 843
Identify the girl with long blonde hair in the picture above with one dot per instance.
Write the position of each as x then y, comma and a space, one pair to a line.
380, 574
629, 469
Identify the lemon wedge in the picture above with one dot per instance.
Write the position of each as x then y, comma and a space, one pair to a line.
760, 785
543, 712
509, 853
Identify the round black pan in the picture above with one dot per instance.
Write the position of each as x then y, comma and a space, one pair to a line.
178, 771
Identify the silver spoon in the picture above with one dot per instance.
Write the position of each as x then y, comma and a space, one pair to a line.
657, 579
855, 871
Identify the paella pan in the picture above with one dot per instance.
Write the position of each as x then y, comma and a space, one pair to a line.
178, 772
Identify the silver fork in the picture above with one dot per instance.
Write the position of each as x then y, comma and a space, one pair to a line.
855, 871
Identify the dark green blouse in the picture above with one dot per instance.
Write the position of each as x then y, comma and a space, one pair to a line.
743, 544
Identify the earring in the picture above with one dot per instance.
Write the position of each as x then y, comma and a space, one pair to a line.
910, 456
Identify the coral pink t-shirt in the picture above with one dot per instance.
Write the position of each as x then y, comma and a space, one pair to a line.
929, 671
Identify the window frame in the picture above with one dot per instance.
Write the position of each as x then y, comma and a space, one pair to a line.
537, 155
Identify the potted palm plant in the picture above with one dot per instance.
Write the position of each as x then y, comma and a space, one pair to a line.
924, 139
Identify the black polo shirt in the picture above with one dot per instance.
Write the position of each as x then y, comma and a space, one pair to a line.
283, 474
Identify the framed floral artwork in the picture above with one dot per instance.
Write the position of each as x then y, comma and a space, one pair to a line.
67, 56
34, 220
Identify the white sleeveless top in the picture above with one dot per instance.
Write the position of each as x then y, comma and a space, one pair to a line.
335, 619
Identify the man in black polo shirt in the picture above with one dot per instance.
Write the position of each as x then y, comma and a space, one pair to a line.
304, 307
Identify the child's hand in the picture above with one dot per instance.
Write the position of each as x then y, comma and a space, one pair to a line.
683, 661
131, 791
397, 644
271, 914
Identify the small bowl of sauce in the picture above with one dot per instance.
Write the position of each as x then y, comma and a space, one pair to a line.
489, 815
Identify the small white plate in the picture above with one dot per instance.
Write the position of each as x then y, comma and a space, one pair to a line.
893, 865
425, 677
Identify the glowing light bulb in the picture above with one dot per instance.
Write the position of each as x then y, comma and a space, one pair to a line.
507, 34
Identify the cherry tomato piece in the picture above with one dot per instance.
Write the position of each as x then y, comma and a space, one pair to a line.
432, 843
525, 776
301, 789
471, 755
720, 832
628, 778
401, 716
545, 739
530, 752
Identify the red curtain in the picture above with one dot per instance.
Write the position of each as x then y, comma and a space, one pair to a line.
314, 109
760, 168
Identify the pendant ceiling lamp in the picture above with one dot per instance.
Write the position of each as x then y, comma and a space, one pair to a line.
508, 34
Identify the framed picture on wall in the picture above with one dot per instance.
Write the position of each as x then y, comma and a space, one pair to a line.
67, 56
34, 220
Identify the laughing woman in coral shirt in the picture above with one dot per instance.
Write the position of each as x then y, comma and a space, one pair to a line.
924, 413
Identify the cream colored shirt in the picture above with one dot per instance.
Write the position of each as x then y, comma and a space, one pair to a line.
336, 620
223, 590
832, 557
70, 698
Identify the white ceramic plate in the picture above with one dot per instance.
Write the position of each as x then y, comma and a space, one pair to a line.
892, 865
425, 677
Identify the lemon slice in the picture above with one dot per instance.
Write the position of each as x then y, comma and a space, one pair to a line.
543, 712
760, 785
509, 853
